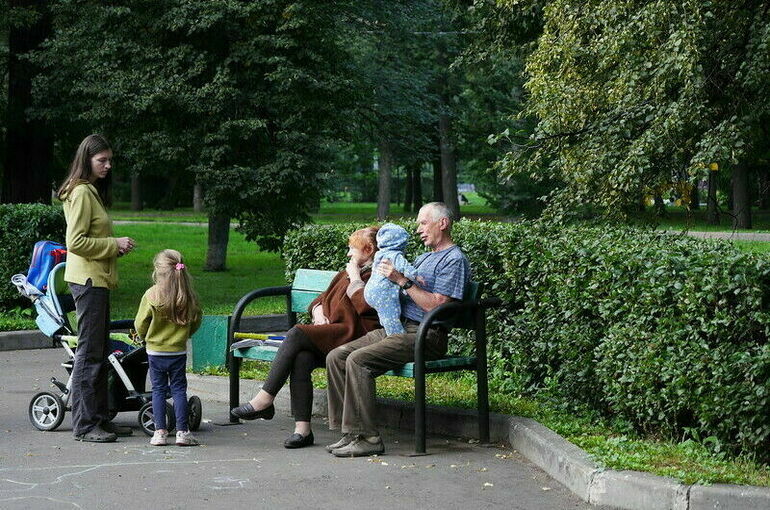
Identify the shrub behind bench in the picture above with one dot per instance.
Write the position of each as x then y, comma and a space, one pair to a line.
667, 332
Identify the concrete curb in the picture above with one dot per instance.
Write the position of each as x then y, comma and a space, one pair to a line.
562, 460
34, 339
23, 340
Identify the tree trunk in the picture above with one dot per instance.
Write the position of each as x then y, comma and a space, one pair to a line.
764, 186
448, 165
198, 198
398, 185
660, 207
417, 187
385, 173
438, 187
136, 192
741, 197
219, 235
408, 184
712, 209
29, 143
695, 196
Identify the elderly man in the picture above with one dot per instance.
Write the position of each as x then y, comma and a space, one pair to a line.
353, 367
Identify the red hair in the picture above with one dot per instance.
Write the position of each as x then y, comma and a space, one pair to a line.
364, 237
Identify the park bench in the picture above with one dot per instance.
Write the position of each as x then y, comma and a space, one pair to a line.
466, 314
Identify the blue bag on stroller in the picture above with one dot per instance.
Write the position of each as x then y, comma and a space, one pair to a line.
45, 256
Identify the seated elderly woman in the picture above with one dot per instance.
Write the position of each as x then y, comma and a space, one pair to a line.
340, 314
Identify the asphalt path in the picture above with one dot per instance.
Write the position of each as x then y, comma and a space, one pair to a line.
243, 466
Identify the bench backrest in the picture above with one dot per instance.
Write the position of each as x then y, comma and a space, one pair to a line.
309, 283
465, 320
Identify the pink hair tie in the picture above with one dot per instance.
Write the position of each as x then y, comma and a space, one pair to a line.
179, 266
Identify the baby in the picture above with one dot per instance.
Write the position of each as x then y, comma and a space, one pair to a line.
381, 293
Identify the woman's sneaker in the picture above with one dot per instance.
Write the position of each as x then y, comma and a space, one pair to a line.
185, 438
159, 438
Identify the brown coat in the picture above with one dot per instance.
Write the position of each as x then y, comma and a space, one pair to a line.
349, 318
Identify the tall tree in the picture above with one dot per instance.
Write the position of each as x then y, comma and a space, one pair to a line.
629, 95
28, 153
498, 38
247, 96
393, 54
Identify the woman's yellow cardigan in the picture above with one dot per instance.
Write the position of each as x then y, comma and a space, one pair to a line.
92, 252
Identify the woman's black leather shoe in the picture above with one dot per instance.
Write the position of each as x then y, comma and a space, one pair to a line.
298, 440
247, 412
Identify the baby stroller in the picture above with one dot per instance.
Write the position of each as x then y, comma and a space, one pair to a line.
128, 363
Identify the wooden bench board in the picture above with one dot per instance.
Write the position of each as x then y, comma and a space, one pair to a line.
267, 353
307, 285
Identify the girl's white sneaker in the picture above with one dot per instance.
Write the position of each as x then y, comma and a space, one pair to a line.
185, 438
159, 438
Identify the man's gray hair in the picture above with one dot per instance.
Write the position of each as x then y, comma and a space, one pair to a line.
439, 210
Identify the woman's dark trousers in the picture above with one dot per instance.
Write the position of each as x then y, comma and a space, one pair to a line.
88, 396
296, 357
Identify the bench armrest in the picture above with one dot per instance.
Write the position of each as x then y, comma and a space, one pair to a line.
240, 307
443, 311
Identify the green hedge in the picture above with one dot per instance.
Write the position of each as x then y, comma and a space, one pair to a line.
666, 332
21, 226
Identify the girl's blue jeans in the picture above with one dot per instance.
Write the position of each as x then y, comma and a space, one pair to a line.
169, 372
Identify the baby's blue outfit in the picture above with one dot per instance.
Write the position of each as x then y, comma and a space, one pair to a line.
381, 293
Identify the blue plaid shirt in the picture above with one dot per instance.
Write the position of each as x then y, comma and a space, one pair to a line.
445, 272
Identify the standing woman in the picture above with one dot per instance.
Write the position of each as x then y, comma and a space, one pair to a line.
91, 272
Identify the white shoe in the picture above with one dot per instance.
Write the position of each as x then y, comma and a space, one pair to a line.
159, 438
185, 438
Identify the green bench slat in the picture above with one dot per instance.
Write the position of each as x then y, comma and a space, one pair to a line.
301, 299
261, 353
439, 365
308, 283
267, 353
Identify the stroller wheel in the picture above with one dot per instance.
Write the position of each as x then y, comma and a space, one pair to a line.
46, 411
195, 412
146, 419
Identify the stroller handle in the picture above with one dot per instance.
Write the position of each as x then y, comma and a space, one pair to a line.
122, 324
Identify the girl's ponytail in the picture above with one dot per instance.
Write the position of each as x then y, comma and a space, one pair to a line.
175, 295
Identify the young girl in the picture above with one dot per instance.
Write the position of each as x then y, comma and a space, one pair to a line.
167, 316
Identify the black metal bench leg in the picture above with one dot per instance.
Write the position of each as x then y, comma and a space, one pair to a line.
483, 405
235, 385
419, 412
482, 383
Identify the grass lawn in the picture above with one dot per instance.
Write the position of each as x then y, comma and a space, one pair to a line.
679, 218
330, 212
248, 269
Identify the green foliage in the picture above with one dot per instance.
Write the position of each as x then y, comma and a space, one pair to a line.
491, 97
664, 332
246, 97
630, 96
21, 226
17, 319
